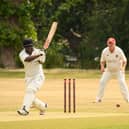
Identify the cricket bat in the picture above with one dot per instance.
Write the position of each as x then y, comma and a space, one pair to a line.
50, 35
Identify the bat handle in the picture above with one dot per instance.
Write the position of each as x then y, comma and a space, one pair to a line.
46, 44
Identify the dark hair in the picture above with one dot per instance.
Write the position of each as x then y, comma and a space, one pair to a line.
27, 42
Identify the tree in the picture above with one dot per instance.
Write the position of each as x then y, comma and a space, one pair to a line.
15, 24
83, 28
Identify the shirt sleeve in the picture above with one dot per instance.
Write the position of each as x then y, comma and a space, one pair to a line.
123, 57
102, 59
43, 57
23, 56
40, 58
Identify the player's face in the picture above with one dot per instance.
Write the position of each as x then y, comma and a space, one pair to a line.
29, 49
111, 46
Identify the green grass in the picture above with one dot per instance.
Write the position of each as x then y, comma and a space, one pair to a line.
107, 122
50, 73
10, 74
73, 73
56, 73
70, 123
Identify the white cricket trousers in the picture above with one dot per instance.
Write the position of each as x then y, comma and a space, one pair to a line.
32, 86
106, 76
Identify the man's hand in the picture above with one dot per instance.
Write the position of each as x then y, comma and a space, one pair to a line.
40, 62
124, 63
102, 69
40, 54
102, 64
42, 57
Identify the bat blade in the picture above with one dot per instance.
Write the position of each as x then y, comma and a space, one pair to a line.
50, 35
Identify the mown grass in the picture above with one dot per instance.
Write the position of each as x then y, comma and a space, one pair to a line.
50, 73
110, 122
56, 73
120, 122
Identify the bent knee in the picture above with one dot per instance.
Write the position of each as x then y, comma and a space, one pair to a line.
30, 90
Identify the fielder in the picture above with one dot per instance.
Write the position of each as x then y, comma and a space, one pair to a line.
32, 59
114, 59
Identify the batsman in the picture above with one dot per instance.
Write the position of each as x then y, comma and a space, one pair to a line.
32, 59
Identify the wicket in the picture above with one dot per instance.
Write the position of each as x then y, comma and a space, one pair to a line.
67, 87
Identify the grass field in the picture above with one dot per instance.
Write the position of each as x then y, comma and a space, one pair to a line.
89, 115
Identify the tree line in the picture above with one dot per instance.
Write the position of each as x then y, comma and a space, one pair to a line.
83, 28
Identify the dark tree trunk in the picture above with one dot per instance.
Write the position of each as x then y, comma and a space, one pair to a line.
7, 53
7, 57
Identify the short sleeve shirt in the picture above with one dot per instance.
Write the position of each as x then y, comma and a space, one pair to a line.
113, 60
32, 68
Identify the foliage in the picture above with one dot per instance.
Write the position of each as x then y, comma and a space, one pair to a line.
15, 24
105, 21
94, 20
54, 56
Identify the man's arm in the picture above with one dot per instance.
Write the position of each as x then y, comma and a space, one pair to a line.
102, 66
124, 63
42, 58
124, 60
31, 58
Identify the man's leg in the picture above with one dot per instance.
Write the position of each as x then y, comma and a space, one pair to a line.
27, 102
103, 81
123, 85
40, 105
33, 85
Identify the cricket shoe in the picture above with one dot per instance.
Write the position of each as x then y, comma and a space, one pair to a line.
97, 101
23, 112
42, 112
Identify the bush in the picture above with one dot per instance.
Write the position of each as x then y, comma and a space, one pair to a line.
54, 57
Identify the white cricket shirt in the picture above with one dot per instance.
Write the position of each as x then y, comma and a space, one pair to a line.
113, 60
32, 68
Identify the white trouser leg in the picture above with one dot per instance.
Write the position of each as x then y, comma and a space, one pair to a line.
39, 104
103, 81
33, 85
28, 98
123, 85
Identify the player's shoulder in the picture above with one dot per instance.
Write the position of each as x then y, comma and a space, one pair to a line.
119, 49
22, 52
105, 50
36, 49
